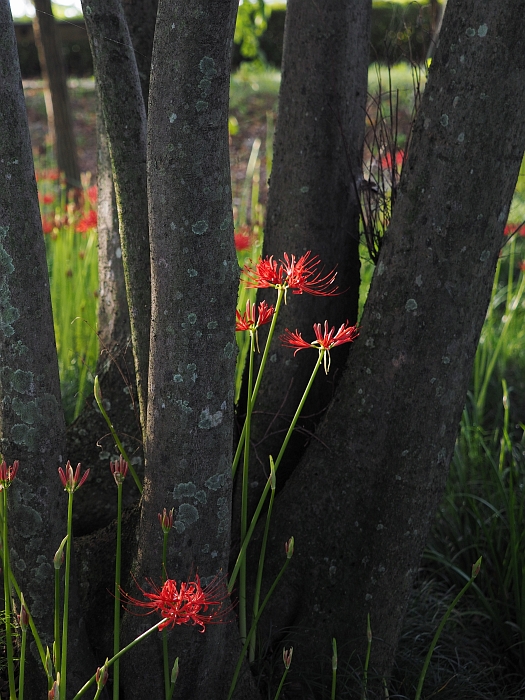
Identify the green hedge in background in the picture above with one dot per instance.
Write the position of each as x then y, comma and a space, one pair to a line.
400, 31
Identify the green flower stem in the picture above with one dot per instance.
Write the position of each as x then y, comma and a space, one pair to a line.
475, 572
56, 648
7, 598
278, 303
116, 609
253, 628
244, 498
278, 693
15, 585
65, 617
258, 582
111, 661
98, 399
21, 672
262, 499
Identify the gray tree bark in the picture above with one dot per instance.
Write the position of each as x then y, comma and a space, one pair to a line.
312, 203
125, 119
141, 16
192, 355
372, 492
32, 425
58, 108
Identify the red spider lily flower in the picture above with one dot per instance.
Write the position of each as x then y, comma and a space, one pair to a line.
71, 481
166, 520
46, 198
386, 161
47, 225
7, 474
246, 321
510, 229
92, 194
300, 275
87, 222
119, 470
324, 340
187, 603
242, 238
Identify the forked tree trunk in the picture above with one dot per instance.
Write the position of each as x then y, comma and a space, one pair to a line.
32, 426
373, 481
58, 108
312, 201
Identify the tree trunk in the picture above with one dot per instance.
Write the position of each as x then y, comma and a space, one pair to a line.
192, 356
58, 108
125, 118
31, 421
141, 16
372, 492
312, 201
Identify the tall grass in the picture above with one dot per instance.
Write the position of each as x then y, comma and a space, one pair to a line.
69, 223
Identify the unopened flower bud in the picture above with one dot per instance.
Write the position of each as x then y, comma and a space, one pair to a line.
334, 655
49, 663
58, 559
101, 676
288, 548
166, 520
175, 671
287, 657
476, 567
54, 693
24, 616
119, 470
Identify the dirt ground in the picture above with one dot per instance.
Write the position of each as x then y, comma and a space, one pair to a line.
248, 120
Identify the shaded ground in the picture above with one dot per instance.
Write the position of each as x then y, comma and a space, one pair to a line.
251, 103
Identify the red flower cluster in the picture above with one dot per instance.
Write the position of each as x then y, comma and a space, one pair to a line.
188, 603
246, 321
87, 221
47, 225
7, 474
300, 275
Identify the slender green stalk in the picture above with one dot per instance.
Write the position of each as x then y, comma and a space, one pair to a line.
56, 645
7, 597
267, 487
98, 399
65, 617
283, 678
121, 653
244, 498
475, 572
258, 582
21, 672
280, 296
253, 628
116, 610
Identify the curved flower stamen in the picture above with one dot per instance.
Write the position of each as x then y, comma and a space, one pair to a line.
325, 339
183, 604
